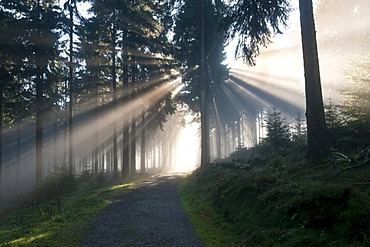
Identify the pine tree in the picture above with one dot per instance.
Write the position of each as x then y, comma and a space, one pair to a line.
199, 49
299, 136
278, 132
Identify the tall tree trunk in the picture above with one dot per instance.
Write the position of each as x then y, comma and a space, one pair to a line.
133, 122
114, 87
233, 136
70, 79
143, 144
238, 128
125, 129
65, 117
96, 130
218, 130
18, 151
205, 152
133, 146
317, 137
55, 151
39, 125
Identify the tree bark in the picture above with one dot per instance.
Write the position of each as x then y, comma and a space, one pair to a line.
125, 128
143, 143
218, 130
70, 79
133, 146
114, 87
317, 137
39, 125
205, 152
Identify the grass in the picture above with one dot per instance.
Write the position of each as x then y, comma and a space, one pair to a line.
59, 221
210, 226
277, 201
286, 201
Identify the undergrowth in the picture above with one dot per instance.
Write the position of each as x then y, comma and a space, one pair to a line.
59, 211
288, 201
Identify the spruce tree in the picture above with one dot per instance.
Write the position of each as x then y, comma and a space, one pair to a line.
278, 132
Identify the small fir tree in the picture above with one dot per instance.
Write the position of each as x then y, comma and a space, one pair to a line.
278, 132
299, 136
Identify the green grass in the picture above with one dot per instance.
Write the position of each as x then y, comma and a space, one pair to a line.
287, 201
210, 226
42, 224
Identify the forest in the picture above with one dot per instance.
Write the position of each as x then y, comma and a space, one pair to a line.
255, 95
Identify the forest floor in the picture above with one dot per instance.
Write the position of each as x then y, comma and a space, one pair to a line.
151, 215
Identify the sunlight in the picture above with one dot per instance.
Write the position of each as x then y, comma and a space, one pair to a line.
120, 186
187, 152
27, 240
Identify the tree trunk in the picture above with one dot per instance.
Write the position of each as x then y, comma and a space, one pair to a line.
125, 128
114, 87
218, 130
133, 122
133, 146
96, 130
39, 125
70, 79
205, 152
317, 137
143, 144
238, 128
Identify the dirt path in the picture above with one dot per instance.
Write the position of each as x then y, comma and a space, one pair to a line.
150, 215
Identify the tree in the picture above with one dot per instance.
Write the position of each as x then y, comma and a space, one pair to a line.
199, 46
278, 132
317, 136
299, 136
254, 22
204, 109
36, 40
71, 6
358, 89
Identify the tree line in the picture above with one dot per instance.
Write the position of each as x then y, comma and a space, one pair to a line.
57, 61
58, 64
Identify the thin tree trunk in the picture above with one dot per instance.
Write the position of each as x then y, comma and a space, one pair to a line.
96, 131
218, 130
143, 144
133, 146
133, 123
55, 139
317, 137
239, 131
114, 87
39, 125
125, 128
205, 152
18, 152
70, 79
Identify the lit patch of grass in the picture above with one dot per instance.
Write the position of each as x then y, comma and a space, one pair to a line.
62, 221
209, 225
120, 186
26, 240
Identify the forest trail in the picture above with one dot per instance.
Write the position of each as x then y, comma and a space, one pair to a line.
149, 215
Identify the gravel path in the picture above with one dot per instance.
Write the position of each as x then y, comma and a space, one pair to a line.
150, 215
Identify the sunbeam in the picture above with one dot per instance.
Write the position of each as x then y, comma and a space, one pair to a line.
187, 147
